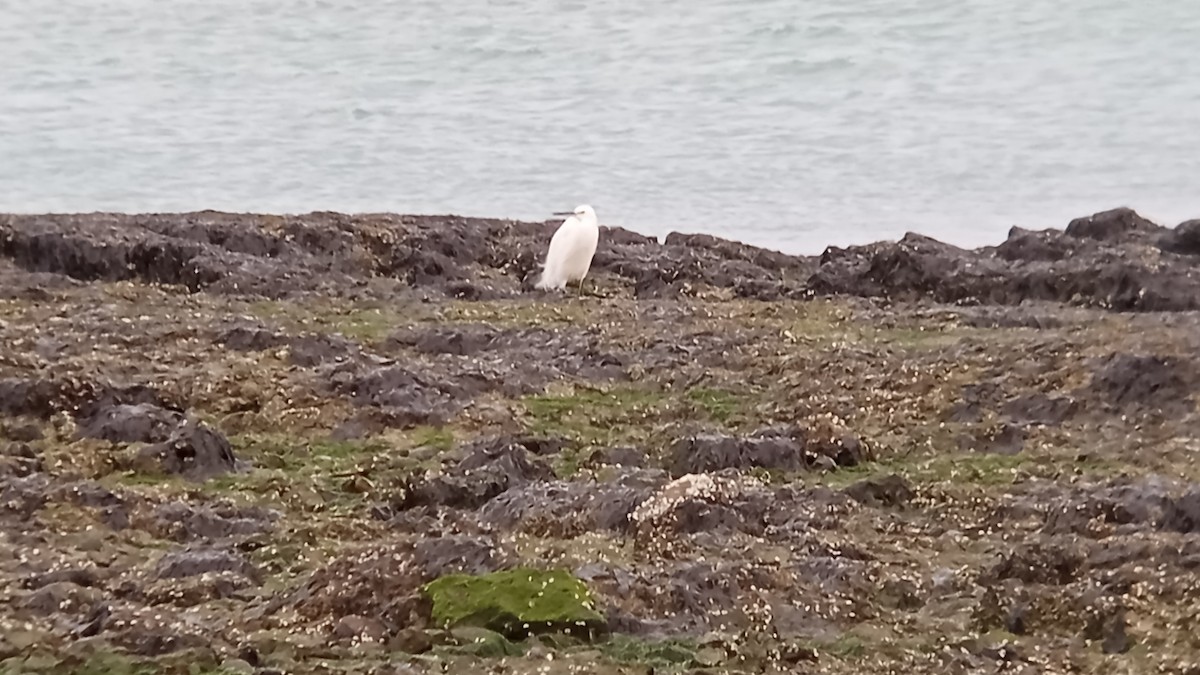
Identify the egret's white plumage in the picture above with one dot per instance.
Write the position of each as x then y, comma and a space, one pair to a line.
571, 249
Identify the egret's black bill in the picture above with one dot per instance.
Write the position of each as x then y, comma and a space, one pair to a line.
563, 213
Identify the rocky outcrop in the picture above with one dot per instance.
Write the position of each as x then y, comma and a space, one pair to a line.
1114, 259
939, 455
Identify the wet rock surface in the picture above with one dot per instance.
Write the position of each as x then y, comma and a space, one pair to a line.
253, 440
193, 450
197, 561
1113, 259
141, 423
791, 448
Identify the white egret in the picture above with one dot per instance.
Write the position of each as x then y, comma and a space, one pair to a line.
571, 250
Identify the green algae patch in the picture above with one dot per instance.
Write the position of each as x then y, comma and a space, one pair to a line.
515, 603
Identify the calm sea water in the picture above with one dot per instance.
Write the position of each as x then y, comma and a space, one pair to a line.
790, 124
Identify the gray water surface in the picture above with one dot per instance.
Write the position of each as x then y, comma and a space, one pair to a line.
794, 125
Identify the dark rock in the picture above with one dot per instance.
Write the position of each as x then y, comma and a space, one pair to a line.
1041, 409
250, 655
1094, 262
565, 509
245, 338
621, 622
412, 609
381, 580
77, 576
1037, 563
418, 267
186, 522
1098, 262
1005, 655
18, 460
211, 251
195, 590
239, 667
52, 246
1045, 246
1109, 628
88, 493
684, 261
1182, 514
1116, 639
787, 448
1184, 239
911, 268
901, 594
487, 469
195, 561
455, 554
19, 284
473, 291
712, 452
140, 423
411, 641
62, 596
373, 421
541, 445
93, 624
236, 236
731, 250
42, 398
618, 456
308, 351
408, 397
698, 596
22, 497
1115, 225
1133, 503
759, 289
1016, 622
1163, 384
20, 432
746, 515
153, 636
1140, 503
354, 627
889, 491
114, 510
361, 425
115, 517
824, 464
193, 451
651, 284
456, 340
520, 360
976, 398
794, 653
1007, 439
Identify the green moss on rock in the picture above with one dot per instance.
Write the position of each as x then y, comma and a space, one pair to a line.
515, 603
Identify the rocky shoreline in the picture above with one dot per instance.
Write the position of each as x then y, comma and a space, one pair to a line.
254, 443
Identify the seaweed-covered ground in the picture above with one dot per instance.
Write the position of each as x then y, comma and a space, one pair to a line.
245, 443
